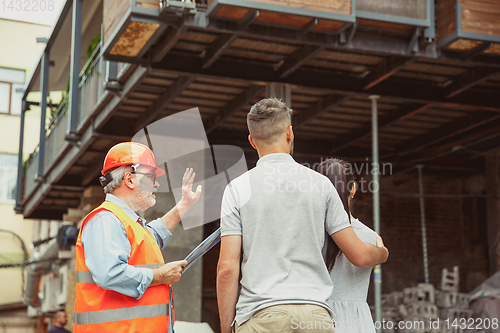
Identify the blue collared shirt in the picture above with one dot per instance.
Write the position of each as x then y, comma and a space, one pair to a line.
107, 251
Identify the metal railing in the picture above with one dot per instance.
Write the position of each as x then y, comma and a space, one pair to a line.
91, 85
92, 93
54, 135
122, 67
30, 172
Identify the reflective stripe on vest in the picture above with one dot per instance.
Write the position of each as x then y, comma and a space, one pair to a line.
106, 316
86, 276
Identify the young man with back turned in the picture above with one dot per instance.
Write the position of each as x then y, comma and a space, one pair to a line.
280, 230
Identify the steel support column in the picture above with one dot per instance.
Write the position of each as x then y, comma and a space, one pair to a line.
281, 91
111, 79
377, 275
430, 32
74, 91
19, 182
422, 221
44, 81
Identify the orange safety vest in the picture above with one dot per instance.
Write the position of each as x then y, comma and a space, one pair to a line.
102, 310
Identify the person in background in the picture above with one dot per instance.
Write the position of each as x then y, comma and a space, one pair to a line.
350, 283
60, 319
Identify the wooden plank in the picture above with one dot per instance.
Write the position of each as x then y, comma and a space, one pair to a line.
334, 123
325, 25
134, 38
405, 8
157, 81
283, 19
192, 47
331, 6
199, 101
340, 66
494, 49
464, 44
231, 12
215, 88
385, 25
481, 17
153, 4
265, 46
446, 23
113, 12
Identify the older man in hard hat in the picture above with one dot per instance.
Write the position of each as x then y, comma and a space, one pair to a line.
123, 284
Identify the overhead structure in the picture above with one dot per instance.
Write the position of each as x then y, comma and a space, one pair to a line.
438, 107
469, 27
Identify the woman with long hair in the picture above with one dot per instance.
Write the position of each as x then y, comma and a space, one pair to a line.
350, 283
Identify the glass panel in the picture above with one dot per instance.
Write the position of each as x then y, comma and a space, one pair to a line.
8, 176
4, 97
406, 8
15, 106
11, 75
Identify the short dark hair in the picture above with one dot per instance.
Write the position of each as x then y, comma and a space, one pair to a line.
267, 119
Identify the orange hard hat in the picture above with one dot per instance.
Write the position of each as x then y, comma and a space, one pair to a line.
129, 153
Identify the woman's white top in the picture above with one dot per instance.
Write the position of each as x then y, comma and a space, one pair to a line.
350, 289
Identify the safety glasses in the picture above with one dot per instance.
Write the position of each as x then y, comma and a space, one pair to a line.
151, 175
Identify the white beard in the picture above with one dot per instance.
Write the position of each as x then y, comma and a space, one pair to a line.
143, 199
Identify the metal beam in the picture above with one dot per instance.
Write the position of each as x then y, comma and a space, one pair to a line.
268, 32
371, 42
234, 106
74, 90
44, 82
386, 69
302, 148
488, 132
358, 134
461, 125
168, 42
413, 44
20, 166
469, 79
478, 50
163, 100
377, 272
307, 28
217, 48
399, 90
224, 41
318, 109
422, 222
68, 188
298, 58
93, 170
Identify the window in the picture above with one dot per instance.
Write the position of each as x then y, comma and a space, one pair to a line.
10, 99
8, 176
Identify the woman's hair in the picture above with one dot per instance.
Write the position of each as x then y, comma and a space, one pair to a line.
340, 174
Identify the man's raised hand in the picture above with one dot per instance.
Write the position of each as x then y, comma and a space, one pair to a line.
188, 196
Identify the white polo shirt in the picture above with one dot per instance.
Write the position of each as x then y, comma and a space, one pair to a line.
281, 209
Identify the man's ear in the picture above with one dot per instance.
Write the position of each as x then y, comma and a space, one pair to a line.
289, 134
128, 180
250, 139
